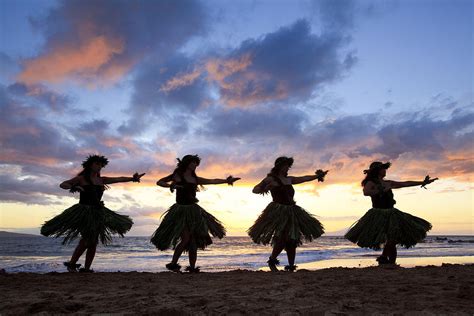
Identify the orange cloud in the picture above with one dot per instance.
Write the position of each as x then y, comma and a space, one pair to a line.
12, 156
86, 60
219, 69
181, 80
126, 143
234, 91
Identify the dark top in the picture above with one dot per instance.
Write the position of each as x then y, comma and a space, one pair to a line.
187, 194
283, 193
383, 200
92, 194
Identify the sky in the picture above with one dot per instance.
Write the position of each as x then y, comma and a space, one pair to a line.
334, 84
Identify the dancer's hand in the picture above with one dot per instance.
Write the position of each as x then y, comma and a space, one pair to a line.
321, 174
427, 181
136, 177
230, 180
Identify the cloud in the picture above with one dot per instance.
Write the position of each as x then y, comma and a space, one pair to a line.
418, 143
41, 95
150, 103
278, 69
27, 138
100, 41
244, 123
39, 146
28, 190
425, 135
287, 65
336, 16
344, 132
8, 66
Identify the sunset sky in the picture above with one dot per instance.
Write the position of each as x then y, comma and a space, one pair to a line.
334, 84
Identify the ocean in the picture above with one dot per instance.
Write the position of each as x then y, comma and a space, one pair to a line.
43, 255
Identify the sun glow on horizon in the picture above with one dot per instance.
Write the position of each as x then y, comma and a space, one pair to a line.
447, 204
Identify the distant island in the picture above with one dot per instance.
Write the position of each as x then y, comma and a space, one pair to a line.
10, 234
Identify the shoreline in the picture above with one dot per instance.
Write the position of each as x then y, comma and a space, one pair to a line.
432, 290
359, 263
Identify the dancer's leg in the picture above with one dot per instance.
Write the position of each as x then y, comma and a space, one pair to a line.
80, 248
90, 254
185, 238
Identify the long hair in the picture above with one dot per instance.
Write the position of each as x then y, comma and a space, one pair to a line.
279, 163
182, 165
87, 166
372, 174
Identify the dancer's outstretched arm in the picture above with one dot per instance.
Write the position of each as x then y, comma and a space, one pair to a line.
109, 180
319, 175
405, 184
302, 179
229, 180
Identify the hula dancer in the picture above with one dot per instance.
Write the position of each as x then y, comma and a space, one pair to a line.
283, 223
89, 218
384, 224
186, 226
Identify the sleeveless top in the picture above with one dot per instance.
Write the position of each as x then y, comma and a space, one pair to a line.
283, 194
383, 200
187, 194
92, 194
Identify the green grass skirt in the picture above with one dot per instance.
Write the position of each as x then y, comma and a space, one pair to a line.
289, 223
91, 222
192, 218
378, 226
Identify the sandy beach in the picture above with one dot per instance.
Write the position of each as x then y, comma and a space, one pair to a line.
337, 291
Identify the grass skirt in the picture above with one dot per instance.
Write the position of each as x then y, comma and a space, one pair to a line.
192, 218
92, 222
378, 226
290, 223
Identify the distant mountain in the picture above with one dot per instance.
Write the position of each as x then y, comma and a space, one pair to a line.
10, 234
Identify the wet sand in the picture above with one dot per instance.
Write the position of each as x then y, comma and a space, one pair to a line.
337, 291
404, 262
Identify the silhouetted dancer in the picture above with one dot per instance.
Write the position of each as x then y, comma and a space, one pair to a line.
283, 223
384, 224
186, 226
89, 218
